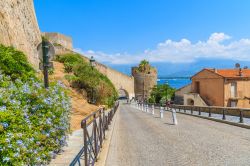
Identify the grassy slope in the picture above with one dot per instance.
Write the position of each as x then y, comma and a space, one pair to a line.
80, 107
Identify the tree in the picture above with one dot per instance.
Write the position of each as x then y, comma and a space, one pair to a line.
161, 93
144, 66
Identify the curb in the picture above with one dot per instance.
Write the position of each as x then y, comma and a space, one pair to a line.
218, 120
105, 147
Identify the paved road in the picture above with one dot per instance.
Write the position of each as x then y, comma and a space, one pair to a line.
140, 139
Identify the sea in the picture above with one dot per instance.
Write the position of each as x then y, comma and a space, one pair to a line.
174, 82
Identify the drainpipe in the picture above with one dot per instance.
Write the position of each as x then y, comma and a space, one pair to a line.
240, 72
224, 83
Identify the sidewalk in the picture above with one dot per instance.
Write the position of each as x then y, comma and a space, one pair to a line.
75, 143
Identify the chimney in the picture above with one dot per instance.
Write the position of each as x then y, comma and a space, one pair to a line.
240, 72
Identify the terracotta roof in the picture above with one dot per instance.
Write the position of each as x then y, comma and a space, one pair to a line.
232, 73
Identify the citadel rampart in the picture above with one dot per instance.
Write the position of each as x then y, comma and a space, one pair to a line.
120, 80
19, 27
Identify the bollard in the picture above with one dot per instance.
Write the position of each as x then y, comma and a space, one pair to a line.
174, 117
147, 108
153, 109
142, 107
161, 112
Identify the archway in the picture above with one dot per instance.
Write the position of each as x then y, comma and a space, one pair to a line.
190, 102
123, 94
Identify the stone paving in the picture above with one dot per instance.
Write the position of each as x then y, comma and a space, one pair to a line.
142, 139
75, 143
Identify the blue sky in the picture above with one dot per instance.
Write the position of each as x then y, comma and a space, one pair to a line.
122, 32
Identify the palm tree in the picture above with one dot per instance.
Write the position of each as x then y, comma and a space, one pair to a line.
144, 66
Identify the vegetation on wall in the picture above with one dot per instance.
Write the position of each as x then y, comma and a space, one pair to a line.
88, 78
161, 94
144, 66
34, 121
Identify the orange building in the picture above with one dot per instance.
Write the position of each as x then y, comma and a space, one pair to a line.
220, 87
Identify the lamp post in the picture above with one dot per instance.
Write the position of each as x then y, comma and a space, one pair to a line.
92, 64
46, 52
45, 47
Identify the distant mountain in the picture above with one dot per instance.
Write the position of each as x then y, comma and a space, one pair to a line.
184, 69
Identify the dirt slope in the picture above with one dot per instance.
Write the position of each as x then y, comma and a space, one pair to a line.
80, 107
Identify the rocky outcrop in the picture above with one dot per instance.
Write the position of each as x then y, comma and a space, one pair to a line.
19, 27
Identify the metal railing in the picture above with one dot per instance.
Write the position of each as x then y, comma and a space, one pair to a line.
94, 127
224, 111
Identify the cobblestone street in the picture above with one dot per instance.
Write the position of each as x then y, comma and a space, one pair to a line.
140, 138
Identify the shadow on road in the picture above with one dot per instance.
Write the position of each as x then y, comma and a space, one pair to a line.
169, 124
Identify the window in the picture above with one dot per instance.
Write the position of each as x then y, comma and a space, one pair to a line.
197, 87
233, 104
233, 89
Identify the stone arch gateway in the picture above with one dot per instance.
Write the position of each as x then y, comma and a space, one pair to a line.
120, 80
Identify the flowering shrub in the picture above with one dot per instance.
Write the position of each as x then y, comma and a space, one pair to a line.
34, 121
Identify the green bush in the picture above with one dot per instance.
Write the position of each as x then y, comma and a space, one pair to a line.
88, 78
34, 121
14, 63
70, 60
161, 94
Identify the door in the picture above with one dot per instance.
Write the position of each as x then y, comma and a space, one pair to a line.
197, 87
233, 89
233, 103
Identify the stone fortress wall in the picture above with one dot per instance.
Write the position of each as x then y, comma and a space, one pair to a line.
121, 81
19, 27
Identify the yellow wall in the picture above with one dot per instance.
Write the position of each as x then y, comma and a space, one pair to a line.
243, 90
211, 87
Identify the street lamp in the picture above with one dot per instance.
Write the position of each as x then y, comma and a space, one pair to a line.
46, 52
92, 64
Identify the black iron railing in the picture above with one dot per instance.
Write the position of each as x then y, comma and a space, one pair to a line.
94, 127
224, 111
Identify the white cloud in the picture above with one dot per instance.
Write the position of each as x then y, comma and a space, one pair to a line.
218, 37
183, 51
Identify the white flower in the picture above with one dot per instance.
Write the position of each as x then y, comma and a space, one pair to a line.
3, 108
6, 159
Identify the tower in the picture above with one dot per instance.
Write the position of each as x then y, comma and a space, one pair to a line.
145, 78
